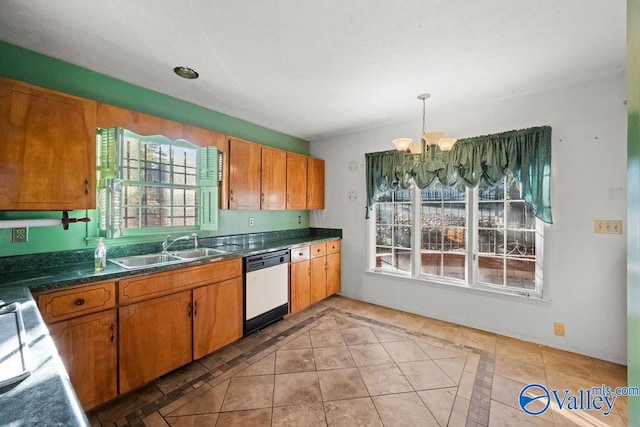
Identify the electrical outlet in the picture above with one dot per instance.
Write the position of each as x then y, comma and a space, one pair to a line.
299, 219
607, 226
20, 235
251, 222
558, 329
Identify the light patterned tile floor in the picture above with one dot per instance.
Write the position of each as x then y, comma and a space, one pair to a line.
344, 362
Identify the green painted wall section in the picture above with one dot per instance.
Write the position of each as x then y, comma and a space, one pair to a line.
633, 204
25, 65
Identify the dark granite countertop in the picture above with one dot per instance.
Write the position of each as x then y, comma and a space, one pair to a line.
61, 276
44, 398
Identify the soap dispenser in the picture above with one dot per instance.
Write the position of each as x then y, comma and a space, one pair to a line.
100, 256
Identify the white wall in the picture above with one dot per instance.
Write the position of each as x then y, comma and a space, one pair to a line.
585, 272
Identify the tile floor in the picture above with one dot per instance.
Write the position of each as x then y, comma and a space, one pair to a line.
345, 362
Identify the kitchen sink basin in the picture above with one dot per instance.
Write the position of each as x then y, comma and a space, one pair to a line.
142, 261
197, 253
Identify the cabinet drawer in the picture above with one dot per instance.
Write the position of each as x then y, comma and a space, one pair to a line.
319, 249
333, 247
60, 305
300, 254
154, 285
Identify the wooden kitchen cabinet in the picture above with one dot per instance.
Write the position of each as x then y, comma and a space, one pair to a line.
274, 179
315, 273
296, 181
244, 174
82, 325
88, 348
155, 338
217, 316
300, 279
315, 183
48, 156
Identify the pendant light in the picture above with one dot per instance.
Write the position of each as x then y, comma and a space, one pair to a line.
428, 139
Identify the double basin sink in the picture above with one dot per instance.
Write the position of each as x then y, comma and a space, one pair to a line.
167, 258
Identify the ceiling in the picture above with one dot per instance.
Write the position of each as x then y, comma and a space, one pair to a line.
319, 68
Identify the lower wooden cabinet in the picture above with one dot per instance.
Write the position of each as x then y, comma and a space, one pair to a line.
82, 324
155, 338
314, 274
217, 316
87, 347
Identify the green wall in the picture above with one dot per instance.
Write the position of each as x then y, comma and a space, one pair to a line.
633, 204
28, 66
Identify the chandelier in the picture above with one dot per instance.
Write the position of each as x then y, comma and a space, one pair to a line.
428, 140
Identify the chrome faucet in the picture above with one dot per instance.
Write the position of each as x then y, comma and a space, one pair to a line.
166, 244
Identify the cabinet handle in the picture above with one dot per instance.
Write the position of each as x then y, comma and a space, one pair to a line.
113, 332
80, 301
86, 187
300, 253
195, 308
309, 271
189, 312
287, 197
262, 197
326, 265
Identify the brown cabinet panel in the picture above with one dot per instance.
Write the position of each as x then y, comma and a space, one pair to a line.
87, 347
48, 155
315, 184
296, 181
244, 174
217, 316
333, 246
274, 179
64, 304
333, 273
139, 288
318, 279
301, 253
155, 338
300, 285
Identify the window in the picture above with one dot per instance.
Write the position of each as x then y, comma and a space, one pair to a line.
153, 184
484, 237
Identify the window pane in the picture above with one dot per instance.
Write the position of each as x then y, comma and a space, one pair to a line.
521, 273
486, 192
402, 237
383, 235
491, 270
519, 215
403, 213
431, 238
431, 263
490, 240
454, 265
491, 214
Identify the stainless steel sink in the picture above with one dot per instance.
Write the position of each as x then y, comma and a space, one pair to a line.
142, 261
197, 253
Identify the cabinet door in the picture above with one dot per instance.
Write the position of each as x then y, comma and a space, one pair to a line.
217, 316
244, 175
274, 179
315, 184
155, 338
333, 273
87, 346
318, 279
300, 285
296, 181
47, 161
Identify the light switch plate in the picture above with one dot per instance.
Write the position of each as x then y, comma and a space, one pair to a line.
607, 226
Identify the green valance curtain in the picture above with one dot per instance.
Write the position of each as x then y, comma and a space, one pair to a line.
525, 153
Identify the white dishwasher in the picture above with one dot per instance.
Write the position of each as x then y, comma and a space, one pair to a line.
266, 292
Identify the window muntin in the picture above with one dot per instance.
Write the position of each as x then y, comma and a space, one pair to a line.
490, 244
393, 216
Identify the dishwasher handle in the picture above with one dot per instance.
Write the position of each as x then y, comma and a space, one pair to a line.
266, 260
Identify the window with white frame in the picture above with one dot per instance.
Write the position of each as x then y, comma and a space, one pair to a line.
484, 237
152, 184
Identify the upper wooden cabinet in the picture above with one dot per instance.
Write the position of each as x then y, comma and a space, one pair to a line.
245, 162
274, 179
296, 181
47, 149
315, 184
